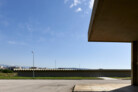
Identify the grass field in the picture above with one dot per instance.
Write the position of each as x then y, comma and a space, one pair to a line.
14, 76
8, 74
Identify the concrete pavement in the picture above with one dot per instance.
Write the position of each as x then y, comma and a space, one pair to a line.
49, 85
108, 78
98, 87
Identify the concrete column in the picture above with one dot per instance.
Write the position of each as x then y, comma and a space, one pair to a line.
134, 63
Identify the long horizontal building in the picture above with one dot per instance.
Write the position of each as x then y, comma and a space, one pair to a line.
74, 72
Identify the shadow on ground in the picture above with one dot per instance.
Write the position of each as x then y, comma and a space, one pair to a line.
126, 89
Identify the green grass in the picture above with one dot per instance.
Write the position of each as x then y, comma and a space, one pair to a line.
53, 78
122, 78
14, 76
8, 74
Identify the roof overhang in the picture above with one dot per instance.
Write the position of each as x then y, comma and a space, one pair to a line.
114, 21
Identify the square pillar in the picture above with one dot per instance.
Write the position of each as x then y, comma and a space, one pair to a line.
134, 63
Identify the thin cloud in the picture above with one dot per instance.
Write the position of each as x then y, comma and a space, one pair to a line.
65, 1
79, 9
91, 4
22, 43
5, 23
75, 3
11, 42
52, 33
29, 27
41, 39
16, 43
48, 31
84, 5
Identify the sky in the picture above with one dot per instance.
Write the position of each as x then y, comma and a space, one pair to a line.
56, 30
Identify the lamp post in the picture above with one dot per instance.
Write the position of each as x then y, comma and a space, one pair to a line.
33, 64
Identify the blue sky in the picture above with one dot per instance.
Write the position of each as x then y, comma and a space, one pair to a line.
55, 30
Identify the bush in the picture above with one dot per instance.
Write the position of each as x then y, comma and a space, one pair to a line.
6, 71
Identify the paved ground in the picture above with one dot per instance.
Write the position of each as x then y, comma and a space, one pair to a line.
49, 85
99, 87
108, 78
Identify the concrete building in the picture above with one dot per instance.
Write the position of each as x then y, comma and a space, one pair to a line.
33, 68
116, 21
18, 68
13, 67
73, 73
1, 67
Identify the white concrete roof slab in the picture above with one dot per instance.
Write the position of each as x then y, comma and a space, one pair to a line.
114, 21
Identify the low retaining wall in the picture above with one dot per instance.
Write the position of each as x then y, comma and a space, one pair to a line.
73, 73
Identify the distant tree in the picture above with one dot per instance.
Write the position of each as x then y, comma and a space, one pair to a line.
6, 71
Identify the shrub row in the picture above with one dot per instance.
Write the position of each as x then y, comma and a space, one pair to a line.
6, 71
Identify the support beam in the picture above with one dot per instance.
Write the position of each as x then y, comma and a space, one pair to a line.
134, 63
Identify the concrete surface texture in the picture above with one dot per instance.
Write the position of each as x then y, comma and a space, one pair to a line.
98, 87
105, 88
50, 85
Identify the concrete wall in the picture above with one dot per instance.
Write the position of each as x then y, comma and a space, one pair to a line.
77, 73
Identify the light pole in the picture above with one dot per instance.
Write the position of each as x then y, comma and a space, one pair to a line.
33, 64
